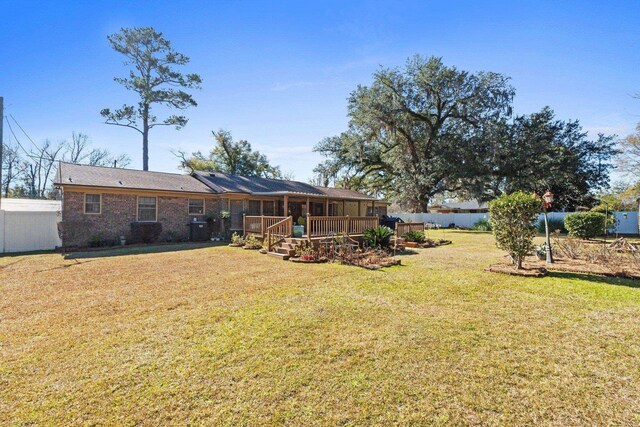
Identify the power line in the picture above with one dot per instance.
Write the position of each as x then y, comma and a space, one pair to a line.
16, 138
23, 131
43, 153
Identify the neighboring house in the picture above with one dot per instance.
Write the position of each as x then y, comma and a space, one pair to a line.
470, 206
104, 202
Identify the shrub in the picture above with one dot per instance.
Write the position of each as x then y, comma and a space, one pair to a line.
513, 217
252, 242
145, 232
585, 225
554, 224
414, 236
237, 240
482, 225
95, 242
378, 236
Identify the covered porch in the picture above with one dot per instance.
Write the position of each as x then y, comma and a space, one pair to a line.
320, 216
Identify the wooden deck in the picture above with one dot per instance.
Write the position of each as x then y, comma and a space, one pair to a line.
315, 227
279, 230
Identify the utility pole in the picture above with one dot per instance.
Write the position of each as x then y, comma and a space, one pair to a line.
1, 144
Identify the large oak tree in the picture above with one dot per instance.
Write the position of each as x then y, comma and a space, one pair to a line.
429, 129
417, 131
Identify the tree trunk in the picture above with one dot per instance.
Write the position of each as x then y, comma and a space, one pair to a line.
423, 205
145, 138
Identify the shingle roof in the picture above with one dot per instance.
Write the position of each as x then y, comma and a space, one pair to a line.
227, 183
343, 193
199, 182
97, 176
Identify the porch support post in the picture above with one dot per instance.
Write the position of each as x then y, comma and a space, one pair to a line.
261, 207
308, 206
326, 207
286, 205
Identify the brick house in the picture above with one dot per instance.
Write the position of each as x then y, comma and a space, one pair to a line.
102, 203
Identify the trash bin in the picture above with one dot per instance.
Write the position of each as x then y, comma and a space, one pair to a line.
198, 231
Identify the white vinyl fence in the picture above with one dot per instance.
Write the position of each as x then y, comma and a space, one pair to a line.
627, 222
24, 231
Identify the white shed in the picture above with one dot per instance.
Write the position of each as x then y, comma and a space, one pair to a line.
29, 225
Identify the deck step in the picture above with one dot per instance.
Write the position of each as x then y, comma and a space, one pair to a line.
286, 251
283, 257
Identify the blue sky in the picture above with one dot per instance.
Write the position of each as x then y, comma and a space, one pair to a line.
278, 73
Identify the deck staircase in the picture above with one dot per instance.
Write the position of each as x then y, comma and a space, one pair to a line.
286, 249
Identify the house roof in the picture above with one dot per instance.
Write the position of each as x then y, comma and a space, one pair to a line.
227, 183
30, 205
198, 182
98, 176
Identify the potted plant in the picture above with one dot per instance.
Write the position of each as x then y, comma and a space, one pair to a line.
413, 239
298, 229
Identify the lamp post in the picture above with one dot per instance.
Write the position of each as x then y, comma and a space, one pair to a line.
547, 200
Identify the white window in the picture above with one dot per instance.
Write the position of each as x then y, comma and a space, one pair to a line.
147, 209
92, 203
196, 206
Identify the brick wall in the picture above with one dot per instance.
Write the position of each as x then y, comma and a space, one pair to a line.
118, 212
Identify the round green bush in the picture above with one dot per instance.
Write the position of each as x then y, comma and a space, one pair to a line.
513, 218
585, 225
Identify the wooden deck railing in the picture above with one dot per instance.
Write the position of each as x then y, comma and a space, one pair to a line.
259, 224
404, 227
321, 226
279, 231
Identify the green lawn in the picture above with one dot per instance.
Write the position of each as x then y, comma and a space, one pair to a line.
223, 336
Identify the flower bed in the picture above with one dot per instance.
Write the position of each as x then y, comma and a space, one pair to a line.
309, 260
617, 259
427, 243
526, 271
346, 252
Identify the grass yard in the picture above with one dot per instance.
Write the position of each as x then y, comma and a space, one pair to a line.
224, 336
